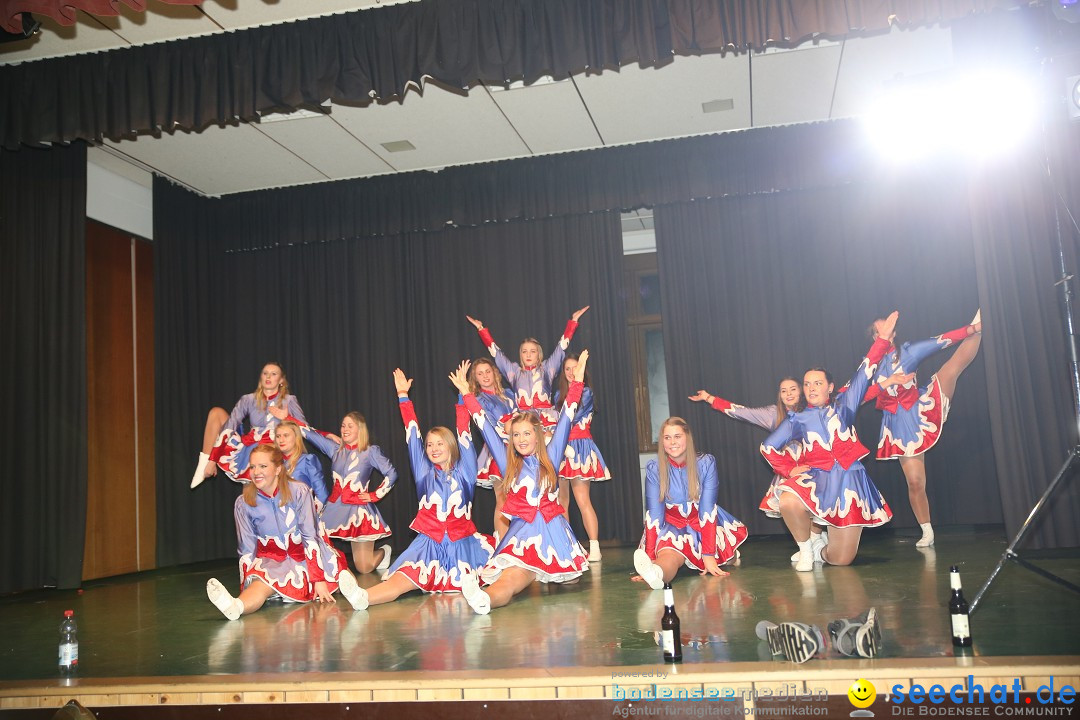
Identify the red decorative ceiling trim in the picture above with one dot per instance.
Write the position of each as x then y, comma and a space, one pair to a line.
65, 11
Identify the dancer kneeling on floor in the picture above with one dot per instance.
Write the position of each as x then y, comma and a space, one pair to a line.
281, 550
448, 546
824, 482
684, 525
539, 544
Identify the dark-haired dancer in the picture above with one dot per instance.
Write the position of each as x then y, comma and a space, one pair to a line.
825, 483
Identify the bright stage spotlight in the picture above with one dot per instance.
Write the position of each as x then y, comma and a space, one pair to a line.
980, 115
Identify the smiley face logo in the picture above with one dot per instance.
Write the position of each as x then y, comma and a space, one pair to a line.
862, 693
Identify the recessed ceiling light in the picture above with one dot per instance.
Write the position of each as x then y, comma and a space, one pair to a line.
293, 115
717, 105
398, 146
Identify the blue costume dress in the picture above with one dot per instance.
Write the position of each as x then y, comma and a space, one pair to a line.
836, 489
679, 522
282, 547
501, 408
344, 515
233, 446
531, 386
448, 543
539, 539
763, 417
911, 416
583, 460
309, 471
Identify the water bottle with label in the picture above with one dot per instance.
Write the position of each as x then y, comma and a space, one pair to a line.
69, 644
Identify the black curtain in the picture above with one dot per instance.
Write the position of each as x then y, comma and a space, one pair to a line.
761, 287
353, 57
43, 221
341, 316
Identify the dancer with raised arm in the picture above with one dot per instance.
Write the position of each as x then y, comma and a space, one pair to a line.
825, 482
486, 384
912, 417
281, 550
448, 545
226, 444
532, 379
539, 545
684, 524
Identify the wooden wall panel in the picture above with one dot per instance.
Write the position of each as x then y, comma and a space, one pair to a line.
119, 513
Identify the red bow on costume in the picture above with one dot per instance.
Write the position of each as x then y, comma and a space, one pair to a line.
518, 505
272, 551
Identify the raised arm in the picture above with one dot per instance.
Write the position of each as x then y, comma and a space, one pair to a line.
467, 452
506, 366
420, 463
764, 417
913, 355
496, 445
556, 448
856, 389
324, 444
552, 366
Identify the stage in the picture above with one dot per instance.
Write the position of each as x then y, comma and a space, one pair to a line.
153, 639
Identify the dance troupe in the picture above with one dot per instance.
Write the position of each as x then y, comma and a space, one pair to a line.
538, 447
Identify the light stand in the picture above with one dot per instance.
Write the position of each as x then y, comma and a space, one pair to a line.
1011, 551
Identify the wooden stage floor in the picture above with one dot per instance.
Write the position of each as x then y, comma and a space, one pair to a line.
152, 639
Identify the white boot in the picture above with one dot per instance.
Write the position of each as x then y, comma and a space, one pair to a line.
594, 551
649, 571
806, 556
356, 595
927, 538
200, 470
478, 600
384, 564
821, 539
230, 607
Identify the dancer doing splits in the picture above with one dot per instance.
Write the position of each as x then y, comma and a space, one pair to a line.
225, 445
684, 525
825, 482
539, 544
448, 546
281, 550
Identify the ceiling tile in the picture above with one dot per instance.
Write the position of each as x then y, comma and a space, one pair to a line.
54, 39
795, 86
636, 104
549, 118
219, 160
446, 128
329, 147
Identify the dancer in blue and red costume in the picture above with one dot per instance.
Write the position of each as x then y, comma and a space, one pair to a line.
280, 547
350, 512
789, 399
684, 525
301, 465
486, 384
825, 482
226, 445
583, 464
912, 417
448, 545
531, 381
539, 544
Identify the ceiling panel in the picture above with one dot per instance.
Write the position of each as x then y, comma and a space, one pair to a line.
54, 39
161, 21
635, 104
218, 160
550, 118
794, 86
869, 63
234, 14
329, 147
446, 128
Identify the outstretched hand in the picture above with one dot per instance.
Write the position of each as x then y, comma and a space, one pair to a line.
579, 369
577, 315
475, 323
712, 567
700, 396
401, 383
886, 329
460, 377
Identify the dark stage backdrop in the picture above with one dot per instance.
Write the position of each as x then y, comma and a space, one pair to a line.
758, 288
341, 316
43, 355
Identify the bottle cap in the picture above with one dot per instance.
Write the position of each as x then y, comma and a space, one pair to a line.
667, 586
954, 568
69, 613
